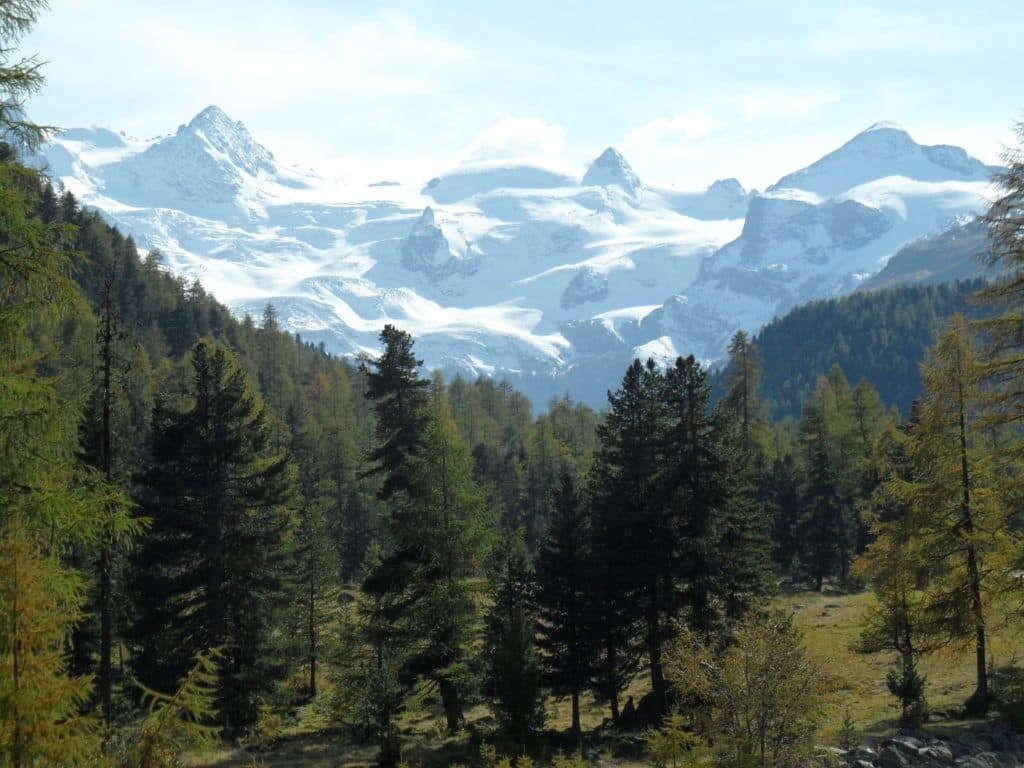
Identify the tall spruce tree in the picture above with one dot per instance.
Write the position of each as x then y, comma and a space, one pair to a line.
563, 599
828, 528
444, 514
743, 549
624, 494
513, 674
210, 573
433, 520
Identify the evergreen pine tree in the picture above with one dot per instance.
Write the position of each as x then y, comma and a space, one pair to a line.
210, 573
623, 490
513, 667
562, 599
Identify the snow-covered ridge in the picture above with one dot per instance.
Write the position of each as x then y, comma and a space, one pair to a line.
552, 280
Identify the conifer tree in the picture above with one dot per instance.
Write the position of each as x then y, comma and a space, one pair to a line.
743, 551
623, 492
19, 77
317, 580
513, 667
400, 401
960, 510
434, 520
829, 526
39, 701
369, 690
210, 574
49, 504
562, 599
444, 512
1003, 364
741, 402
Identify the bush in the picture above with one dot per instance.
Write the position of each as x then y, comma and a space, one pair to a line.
761, 696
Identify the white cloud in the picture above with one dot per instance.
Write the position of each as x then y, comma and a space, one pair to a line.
247, 57
864, 29
523, 139
778, 101
669, 135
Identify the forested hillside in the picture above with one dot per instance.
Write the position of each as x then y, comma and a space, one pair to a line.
881, 336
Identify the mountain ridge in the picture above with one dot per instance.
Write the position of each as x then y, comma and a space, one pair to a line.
513, 270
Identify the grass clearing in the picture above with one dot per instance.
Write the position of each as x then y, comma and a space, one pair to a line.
831, 625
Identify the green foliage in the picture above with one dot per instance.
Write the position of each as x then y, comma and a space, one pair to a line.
19, 77
179, 721
40, 723
759, 700
838, 428
672, 746
368, 689
848, 733
563, 599
211, 571
513, 675
877, 336
907, 685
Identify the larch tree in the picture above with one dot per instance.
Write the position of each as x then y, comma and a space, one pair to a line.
959, 501
49, 503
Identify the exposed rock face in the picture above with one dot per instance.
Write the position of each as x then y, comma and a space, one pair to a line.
980, 746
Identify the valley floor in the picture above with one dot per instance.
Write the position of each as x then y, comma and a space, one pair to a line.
831, 624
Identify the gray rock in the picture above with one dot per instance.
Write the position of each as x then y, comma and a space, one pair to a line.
892, 757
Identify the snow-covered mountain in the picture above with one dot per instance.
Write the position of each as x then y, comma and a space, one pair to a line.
550, 280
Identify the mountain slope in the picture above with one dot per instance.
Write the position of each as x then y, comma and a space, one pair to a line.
952, 255
881, 336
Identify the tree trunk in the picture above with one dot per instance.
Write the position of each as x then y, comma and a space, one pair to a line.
106, 552
312, 641
452, 705
654, 653
978, 703
613, 694
106, 632
576, 733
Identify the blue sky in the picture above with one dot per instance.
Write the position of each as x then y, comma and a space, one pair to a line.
689, 92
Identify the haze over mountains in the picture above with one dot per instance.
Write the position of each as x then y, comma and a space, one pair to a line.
517, 271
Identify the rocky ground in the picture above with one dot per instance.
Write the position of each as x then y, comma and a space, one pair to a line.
980, 745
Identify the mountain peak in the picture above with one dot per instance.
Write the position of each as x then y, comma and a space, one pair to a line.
884, 125
883, 150
611, 168
228, 137
211, 115
425, 220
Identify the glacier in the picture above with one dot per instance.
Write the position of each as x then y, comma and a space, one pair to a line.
549, 280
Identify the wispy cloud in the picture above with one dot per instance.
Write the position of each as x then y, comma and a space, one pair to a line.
865, 29
775, 101
669, 135
527, 139
234, 53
